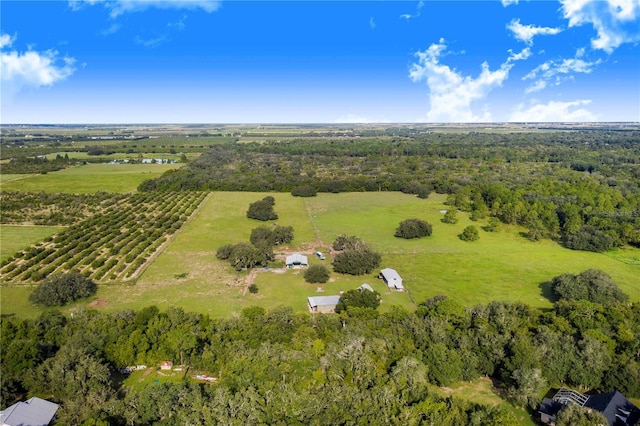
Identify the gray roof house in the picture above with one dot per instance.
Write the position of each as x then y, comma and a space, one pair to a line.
323, 304
297, 260
32, 412
392, 278
617, 409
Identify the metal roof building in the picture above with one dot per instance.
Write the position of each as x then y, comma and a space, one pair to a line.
392, 278
32, 412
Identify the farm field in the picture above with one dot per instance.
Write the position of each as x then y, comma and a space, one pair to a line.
499, 266
14, 238
91, 178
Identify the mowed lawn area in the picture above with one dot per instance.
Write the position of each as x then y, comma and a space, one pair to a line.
90, 178
502, 265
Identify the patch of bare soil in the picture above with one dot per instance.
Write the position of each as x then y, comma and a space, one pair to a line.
98, 303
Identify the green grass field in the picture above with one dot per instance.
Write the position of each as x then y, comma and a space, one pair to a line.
14, 238
499, 266
90, 178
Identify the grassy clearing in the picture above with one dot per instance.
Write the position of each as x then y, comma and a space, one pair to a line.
11, 177
481, 391
14, 238
91, 178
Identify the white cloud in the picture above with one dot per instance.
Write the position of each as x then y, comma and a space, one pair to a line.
506, 3
408, 16
526, 33
615, 21
558, 71
150, 42
119, 7
554, 111
6, 40
450, 93
31, 69
372, 23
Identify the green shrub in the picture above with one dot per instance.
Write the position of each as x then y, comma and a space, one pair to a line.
470, 233
316, 274
413, 228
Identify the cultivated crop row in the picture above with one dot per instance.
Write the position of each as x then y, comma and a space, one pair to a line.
111, 245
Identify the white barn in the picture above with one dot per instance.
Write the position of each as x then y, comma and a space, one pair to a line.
392, 279
297, 260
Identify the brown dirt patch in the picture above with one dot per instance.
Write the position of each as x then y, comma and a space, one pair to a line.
98, 303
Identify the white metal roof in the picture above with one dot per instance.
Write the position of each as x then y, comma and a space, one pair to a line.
297, 259
323, 300
392, 278
32, 412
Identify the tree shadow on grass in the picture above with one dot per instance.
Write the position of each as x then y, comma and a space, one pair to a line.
546, 290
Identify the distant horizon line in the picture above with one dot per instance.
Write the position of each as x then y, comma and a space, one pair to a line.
258, 123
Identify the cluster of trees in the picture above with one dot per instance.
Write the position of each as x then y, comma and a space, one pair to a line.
580, 188
60, 289
260, 249
357, 301
277, 366
263, 209
413, 228
112, 244
592, 285
355, 257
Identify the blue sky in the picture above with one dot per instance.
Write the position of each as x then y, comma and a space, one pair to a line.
195, 61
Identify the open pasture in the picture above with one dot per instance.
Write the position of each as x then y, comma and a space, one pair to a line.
499, 266
91, 178
14, 238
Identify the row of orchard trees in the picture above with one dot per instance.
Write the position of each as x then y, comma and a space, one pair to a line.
280, 367
112, 244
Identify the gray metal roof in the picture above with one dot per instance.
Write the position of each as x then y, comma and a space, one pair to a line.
323, 300
297, 259
32, 412
392, 277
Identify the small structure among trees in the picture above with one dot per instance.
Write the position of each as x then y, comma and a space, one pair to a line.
569, 407
297, 260
323, 304
34, 411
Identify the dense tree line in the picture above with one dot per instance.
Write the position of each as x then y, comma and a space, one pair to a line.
280, 367
581, 188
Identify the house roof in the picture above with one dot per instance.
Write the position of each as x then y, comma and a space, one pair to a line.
297, 259
32, 412
366, 286
550, 407
392, 277
315, 301
618, 410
